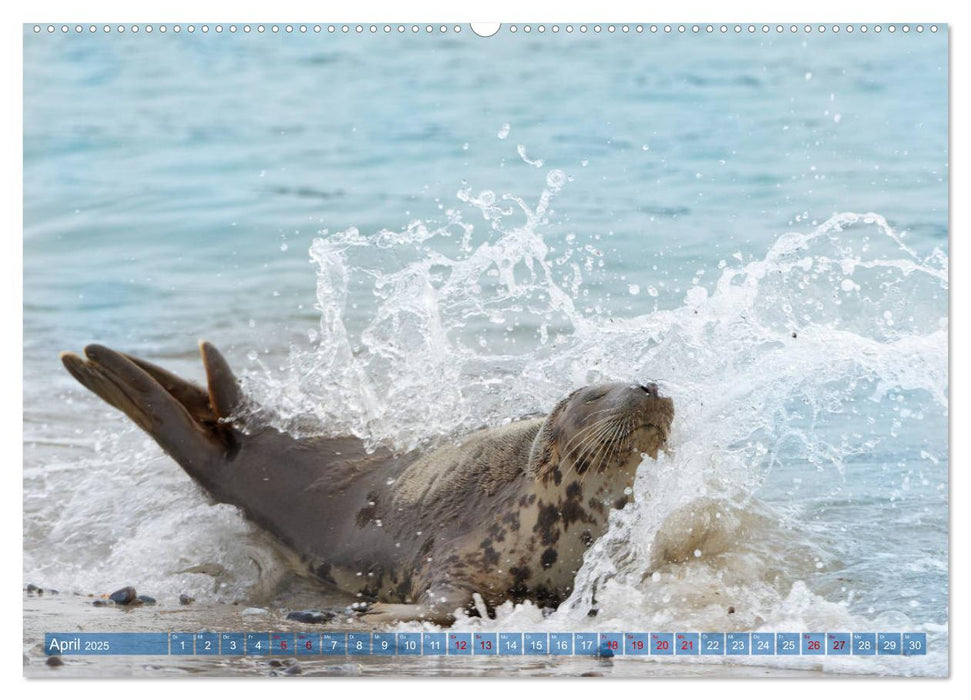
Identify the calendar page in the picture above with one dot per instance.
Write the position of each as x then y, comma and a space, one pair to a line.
544, 349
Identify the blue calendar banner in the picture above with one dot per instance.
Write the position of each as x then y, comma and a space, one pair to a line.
586, 643
333, 644
838, 644
182, 644
637, 643
712, 643
459, 644
358, 643
232, 644
611, 643
207, 643
409, 643
662, 643
536, 643
864, 643
281, 643
603, 644
561, 643
434, 644
763, 643
105, 644
813, 644
511, 643
257, 643
738, 643
787, 643
686, 643
485, 643
383, 643
307, 644
888, 643
915, 644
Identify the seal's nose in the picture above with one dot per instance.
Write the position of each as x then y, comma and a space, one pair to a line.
650, 389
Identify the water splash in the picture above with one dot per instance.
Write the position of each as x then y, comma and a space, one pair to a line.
843, 324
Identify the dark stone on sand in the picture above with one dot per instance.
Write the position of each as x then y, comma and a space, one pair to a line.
793, 334
54, 661
184, 599
124, 596
53, 591
731, 609
313, 617
100, 603
275, 663
146, 600
31, 588
294, 670
591, 674
592, 612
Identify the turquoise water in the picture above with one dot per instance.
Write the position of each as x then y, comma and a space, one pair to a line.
409, 236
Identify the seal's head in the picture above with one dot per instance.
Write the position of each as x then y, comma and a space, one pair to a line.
602, 427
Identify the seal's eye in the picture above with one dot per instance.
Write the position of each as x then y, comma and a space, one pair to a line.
596, 396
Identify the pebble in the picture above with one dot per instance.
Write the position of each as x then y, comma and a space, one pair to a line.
31, 588
54, 661
294, 670
123, 596
731, 609
147, 599
100, 603
311, 616
184, 599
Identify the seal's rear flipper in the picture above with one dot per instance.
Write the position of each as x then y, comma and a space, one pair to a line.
180, 416
224, 392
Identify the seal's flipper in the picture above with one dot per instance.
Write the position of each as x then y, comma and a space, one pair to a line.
193, 398
225, 395
130, 388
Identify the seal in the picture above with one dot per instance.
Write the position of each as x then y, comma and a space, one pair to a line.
504, 514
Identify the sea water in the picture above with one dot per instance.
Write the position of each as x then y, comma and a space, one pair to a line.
409, 237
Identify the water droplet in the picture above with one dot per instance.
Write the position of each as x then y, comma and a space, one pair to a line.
555, 179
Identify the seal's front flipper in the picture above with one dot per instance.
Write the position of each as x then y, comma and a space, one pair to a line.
389, 613
440, 604
172, 411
